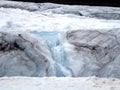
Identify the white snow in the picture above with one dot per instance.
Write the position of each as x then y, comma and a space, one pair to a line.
53, 83
23, 20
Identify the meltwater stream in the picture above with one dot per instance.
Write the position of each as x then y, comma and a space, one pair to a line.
57, 52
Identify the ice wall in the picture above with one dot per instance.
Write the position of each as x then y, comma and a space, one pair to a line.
84, 52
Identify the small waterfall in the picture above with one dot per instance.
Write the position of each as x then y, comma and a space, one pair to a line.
57, 51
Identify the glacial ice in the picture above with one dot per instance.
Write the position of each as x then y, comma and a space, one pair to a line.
84, 52
57, 51
22, 54
64, 34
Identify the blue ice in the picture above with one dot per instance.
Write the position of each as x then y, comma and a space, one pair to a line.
57, 51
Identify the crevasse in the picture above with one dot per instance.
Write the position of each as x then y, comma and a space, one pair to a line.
57, 52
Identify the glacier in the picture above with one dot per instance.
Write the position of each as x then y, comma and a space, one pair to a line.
57, 51
84, 52
59, 40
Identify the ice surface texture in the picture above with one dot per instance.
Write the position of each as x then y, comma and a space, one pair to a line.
47, 39
22, 55
74, 53
95, 53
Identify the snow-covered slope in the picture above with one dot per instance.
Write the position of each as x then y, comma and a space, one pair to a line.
49, 17
26, 83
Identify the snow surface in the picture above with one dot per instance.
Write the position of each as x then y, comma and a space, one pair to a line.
53, 83
23, 20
